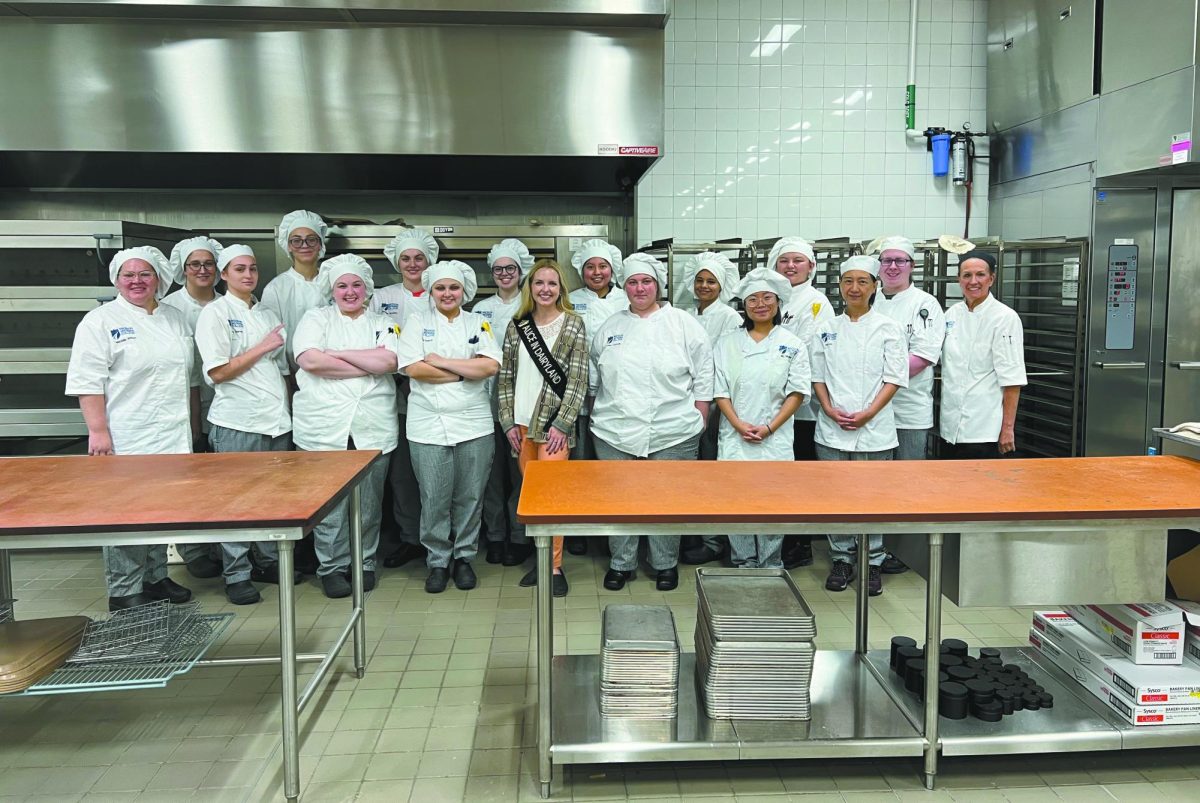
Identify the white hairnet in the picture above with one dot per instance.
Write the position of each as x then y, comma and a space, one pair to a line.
598, 248
460, 272
861, 262
716, 264
412, 238
898, 244
638, 263
336, 267
301, 219
764, 280
231, 253
790, 245
184, 248
515, 250
146, 253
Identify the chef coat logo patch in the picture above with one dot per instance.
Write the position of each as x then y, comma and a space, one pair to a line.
388, 308
828, 337
581, 308
237, 326
949, 325
614, 340
487, 313
122, 333
787, 352
427, 335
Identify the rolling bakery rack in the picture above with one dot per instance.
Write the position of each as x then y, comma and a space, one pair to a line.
858, 707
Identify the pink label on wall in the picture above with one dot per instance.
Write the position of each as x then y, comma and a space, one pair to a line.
639, 150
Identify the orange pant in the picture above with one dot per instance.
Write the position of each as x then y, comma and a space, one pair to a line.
532, 450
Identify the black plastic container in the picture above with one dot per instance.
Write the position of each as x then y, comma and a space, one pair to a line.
1005, 698
988, 712
913, 669
953, 700
904, 655
981, 691
947, 660
989, 654
957, 647
897, 643
960, 674
1032, 701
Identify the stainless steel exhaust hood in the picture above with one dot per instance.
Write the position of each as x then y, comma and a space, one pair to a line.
424, 97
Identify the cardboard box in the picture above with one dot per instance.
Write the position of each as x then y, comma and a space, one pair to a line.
1142, 685
1117, 701
1191, 633
1147, 633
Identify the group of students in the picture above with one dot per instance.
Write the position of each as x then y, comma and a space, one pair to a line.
458, 401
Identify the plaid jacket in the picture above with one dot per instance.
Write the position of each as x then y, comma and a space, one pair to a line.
571, 351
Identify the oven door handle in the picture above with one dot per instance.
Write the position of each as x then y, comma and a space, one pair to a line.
1110, 366
1187, 365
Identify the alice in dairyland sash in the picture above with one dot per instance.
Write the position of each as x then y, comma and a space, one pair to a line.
547, 366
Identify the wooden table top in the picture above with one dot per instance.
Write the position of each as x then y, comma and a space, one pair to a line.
667, 492
173, 492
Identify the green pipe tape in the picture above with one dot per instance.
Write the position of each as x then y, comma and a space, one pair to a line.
910, 107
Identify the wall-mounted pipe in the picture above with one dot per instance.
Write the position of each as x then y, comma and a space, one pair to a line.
910, 96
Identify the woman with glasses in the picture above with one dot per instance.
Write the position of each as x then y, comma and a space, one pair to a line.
347, 400
543, 382
194, 263
510, 261
133, 369
301, 235
449, 354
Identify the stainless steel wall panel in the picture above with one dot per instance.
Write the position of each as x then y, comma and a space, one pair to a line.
1061, 139
1137, 123
1181, 379
1146, 40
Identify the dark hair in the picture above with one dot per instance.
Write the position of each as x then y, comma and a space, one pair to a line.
748, 324
980, 255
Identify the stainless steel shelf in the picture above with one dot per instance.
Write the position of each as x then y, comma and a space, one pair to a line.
1177, 437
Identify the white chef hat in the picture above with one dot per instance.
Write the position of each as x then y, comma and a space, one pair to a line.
460, 272
184, 248
515, 250
412, 238
861, 262
716, 264
231, 253
764, 280
147, 253
597, 248
790, 245
638, 263
336, 267
301, 219
898, 244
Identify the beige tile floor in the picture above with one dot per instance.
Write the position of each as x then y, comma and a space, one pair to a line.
445, 714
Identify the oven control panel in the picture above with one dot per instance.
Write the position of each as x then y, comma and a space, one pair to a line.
1122, 296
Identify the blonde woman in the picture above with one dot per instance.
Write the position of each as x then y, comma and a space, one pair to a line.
543, 381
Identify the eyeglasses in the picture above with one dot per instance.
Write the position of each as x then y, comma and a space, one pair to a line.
145, 276
311, 241
898, 261
509, 269
199, 266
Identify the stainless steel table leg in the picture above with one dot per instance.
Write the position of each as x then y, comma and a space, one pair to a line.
287, 671
356, 570
861, 611
545, 652
6, 586
933, 647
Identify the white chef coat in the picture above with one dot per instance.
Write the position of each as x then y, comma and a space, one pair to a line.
289, 295
920, 316
328, 412
399, 303
718, 320
498, 313
854, 359
757, 378
450, 413
651, 373
181, 300
804, 311
984, 351
144, 365
595, 311
257, 400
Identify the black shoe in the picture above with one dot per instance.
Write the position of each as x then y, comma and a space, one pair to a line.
242, 593
668, 580
558, 584
369, 581
530, 578
405, 553
464, 576
305, 556
696, 557
204, 568
130, 601
576, 545
495, 552
800, 555
517, 554
167, 589
615, 580
840, 576
893, 565
874, 581
270, 575
335, 585
435, 583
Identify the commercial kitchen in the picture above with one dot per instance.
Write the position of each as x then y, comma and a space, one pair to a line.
905, 610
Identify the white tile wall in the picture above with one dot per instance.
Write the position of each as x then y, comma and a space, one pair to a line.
787, 117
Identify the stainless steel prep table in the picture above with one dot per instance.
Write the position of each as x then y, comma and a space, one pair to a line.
66, 502
873, 717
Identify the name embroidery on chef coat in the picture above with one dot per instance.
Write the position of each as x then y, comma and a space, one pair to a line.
122, 333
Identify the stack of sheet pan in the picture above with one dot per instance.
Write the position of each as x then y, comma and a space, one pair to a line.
639, 662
